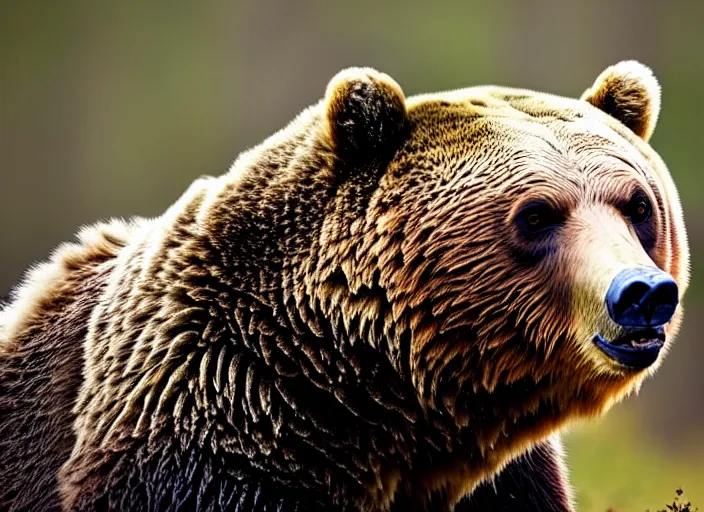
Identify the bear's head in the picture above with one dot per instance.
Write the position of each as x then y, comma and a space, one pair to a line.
454, 275
521, 253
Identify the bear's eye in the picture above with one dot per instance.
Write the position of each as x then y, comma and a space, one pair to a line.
537, 217
638, 209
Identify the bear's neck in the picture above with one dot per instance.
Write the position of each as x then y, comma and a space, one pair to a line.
296, 387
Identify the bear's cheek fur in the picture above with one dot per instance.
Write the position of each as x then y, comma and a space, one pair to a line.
469, 303
478, 323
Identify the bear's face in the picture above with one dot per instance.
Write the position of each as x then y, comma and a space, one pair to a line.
523, 241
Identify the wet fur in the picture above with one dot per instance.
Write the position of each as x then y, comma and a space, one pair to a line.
335, 322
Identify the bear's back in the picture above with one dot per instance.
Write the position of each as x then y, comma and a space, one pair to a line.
42, 331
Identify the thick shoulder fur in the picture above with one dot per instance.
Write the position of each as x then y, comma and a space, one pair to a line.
42, 332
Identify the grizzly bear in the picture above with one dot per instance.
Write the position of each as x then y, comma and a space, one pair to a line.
391, 304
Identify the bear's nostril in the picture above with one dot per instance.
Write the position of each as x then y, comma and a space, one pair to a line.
642, 297
661, 301
631, 296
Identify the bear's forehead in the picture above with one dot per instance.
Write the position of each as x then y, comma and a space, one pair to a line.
501, 102
504, 122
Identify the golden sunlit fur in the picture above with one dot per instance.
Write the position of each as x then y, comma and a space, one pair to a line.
630, 92
350, 318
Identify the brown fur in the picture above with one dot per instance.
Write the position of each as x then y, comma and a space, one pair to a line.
41, 354
629, 92
349, 319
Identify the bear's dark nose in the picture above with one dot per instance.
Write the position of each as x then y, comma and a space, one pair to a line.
642, 297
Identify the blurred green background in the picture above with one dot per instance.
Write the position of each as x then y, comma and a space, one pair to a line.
113, 108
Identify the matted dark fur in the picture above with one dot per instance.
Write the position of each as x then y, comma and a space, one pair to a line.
349, 318
534, 482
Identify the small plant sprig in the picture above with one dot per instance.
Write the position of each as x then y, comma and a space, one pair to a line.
678, 506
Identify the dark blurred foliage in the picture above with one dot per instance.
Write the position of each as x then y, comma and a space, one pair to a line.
113, 108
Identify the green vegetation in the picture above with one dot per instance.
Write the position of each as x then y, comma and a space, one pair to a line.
615, 467
678, 504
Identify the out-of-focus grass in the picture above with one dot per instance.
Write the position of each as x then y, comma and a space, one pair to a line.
614, 465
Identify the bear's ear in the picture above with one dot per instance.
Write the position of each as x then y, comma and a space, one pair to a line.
629, 92
366, 115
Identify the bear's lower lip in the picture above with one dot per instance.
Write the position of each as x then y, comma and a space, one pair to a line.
637, 349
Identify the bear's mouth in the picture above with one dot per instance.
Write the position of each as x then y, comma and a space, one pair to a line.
637, 349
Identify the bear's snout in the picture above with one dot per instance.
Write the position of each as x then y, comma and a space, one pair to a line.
642, 297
